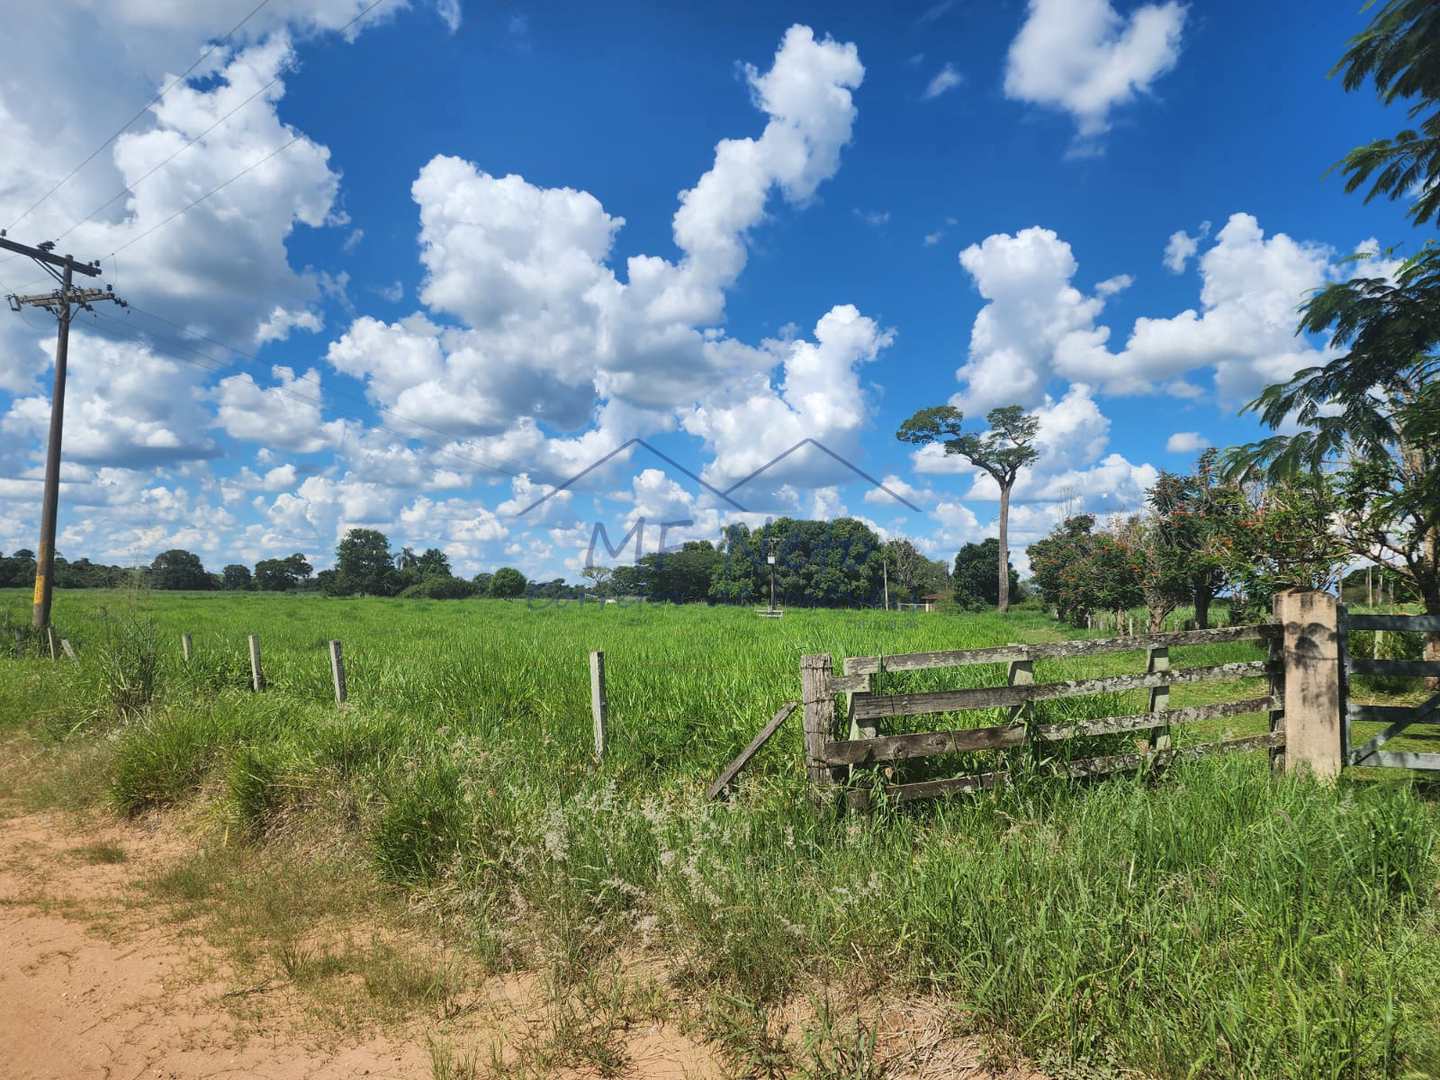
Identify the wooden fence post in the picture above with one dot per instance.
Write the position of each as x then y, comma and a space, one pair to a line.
599, 707
819, 704
257, 673
1276, 679
1158, 659
185, 647
337, 672
1310, 623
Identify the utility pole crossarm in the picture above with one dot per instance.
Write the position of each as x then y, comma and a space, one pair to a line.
43, 254
52, 300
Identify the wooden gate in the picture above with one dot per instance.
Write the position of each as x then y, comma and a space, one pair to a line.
1396, 718
828, 757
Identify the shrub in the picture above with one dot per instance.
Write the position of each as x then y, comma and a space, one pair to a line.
440, 588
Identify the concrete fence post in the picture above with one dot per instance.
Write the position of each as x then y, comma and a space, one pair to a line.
599, 702
257, 673
337, 672
1310, 625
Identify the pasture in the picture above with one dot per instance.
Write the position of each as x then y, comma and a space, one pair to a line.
1213, 920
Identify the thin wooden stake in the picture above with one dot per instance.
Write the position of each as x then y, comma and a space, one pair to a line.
337, 672
257, 673
724, 780
68, 649
185, 646
599, 709
53, 642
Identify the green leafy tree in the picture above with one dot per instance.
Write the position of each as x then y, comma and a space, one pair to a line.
1370, 416
1002, 451
433, 563
507, 583
482, 582
236, 578
274, 575
598, 577
178, 569
299, 567
363, 564
1277, 535
1059, 564
1188, 513
973, 577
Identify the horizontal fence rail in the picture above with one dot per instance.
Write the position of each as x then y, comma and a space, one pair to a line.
874, 706
1054, 650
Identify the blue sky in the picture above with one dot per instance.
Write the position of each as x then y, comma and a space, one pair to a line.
412, 303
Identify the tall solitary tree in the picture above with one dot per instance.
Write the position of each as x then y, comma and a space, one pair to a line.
1002, 452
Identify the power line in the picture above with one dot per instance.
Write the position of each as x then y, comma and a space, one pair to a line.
185, 210
130, 188
148, 105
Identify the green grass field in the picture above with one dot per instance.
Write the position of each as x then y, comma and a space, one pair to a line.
1213, 921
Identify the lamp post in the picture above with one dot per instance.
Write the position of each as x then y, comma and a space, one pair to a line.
773, 542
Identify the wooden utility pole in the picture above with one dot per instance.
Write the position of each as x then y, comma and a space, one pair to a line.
58, 303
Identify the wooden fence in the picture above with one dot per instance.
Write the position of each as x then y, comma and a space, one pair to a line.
827, 756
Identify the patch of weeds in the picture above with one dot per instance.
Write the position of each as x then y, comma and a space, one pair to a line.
742, 1031
401, 981
102, 854
423, 825
835, 1051
447, 1064
305, 965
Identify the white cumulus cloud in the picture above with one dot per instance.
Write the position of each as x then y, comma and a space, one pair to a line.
1084, 57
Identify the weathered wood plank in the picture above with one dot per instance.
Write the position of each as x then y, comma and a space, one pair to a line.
1053, 650
922, 744
929, 789
1114, 725
874, 706
1399, 759
873, 665
1393, 622
1101, 766
732, 770
1359, 665
849, 684
816, 674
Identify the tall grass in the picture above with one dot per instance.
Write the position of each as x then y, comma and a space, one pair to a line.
1212, 921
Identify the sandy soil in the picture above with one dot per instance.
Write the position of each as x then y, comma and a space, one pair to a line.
94, 985
97, 980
